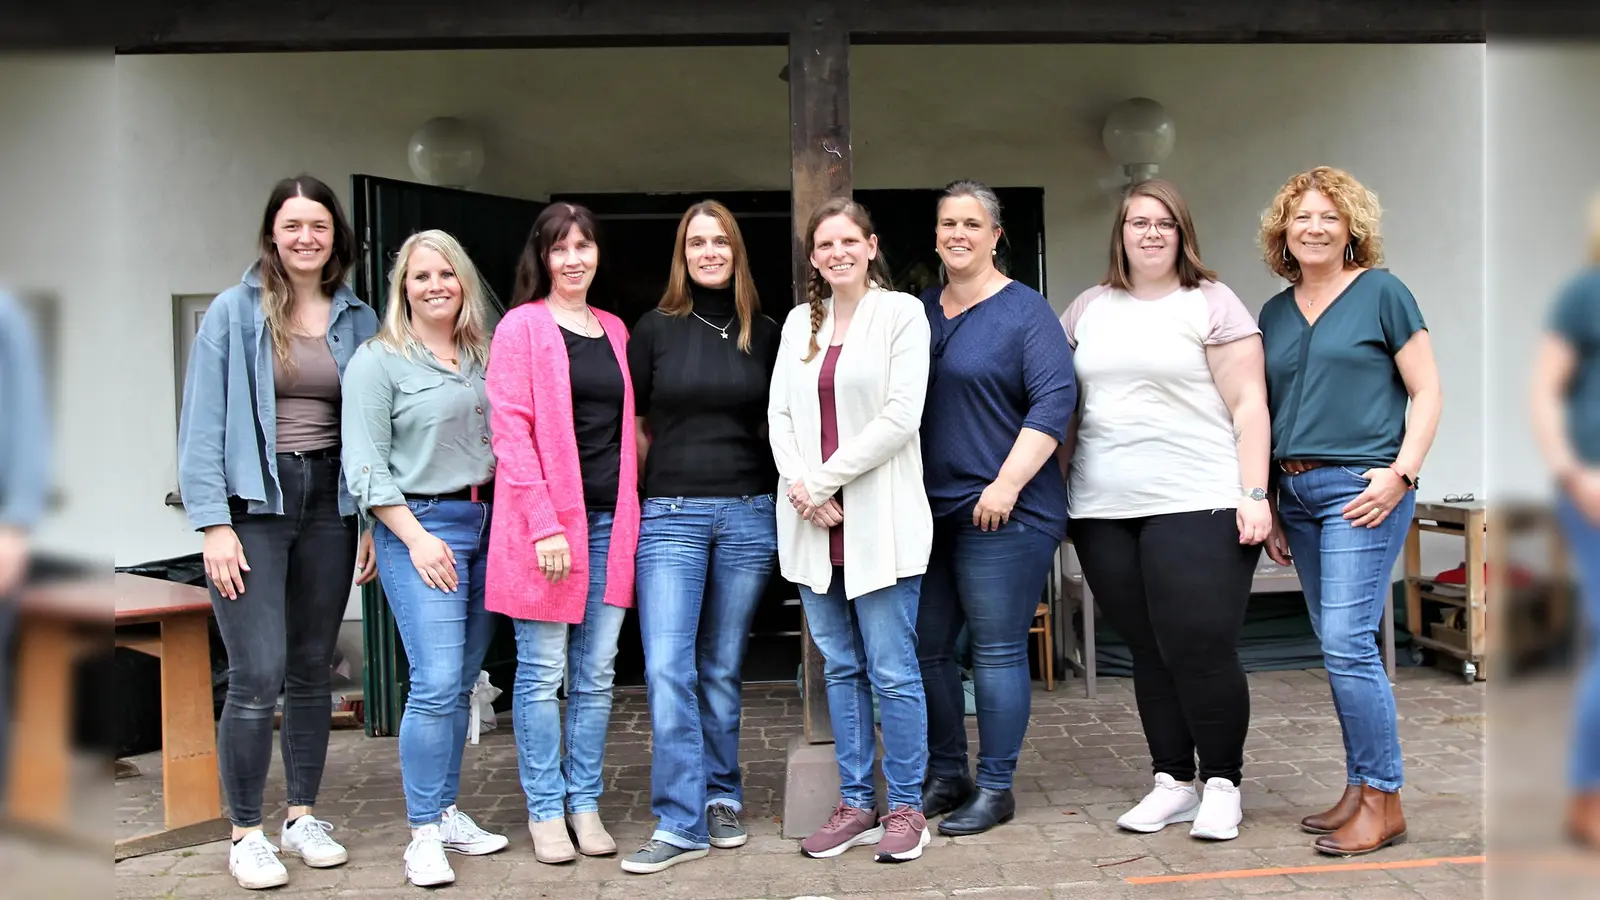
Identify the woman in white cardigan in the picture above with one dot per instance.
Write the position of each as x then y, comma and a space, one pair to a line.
844, 414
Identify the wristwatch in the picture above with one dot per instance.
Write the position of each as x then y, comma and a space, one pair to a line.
1256, 493
1411, 483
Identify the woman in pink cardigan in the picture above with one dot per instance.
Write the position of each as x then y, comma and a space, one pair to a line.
566, 522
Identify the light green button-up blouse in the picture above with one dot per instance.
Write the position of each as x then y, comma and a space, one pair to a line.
412, 426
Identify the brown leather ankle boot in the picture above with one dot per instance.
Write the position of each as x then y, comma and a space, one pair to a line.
1328, 822
1583, 820
1378, 822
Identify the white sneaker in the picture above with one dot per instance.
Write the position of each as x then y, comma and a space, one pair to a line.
1220, 815
462, 835
308, 839
253, 862
1168, 803
426, 865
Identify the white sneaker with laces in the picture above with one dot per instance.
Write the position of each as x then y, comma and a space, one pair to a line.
253, 862
308, 839
1220, 815
1168, 803
462, 835
426, 865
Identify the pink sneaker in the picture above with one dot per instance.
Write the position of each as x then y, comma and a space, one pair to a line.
905, 833
847, 827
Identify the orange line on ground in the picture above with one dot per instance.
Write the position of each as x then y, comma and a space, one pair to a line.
1309, 870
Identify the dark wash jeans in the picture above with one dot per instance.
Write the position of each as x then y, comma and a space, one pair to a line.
280, 636
1176, 588
991, 581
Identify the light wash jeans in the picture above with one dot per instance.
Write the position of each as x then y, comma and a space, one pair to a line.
703, 564
1346, 573
585, 655
445, 636
1583, 543
869, 647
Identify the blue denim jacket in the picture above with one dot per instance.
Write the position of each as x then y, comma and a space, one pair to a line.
228, 431
24, 421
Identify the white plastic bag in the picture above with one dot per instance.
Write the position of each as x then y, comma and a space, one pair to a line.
481, 704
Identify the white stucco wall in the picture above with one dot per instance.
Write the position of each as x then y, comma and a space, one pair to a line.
200, 139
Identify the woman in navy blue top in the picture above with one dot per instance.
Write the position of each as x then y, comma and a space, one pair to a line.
1000, 392
1347, 353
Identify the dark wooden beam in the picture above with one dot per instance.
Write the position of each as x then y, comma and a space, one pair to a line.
211, 26
819, 156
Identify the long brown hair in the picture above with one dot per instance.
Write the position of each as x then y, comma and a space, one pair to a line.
817, 288
533, 280
277, 292
1191, 271
678, 298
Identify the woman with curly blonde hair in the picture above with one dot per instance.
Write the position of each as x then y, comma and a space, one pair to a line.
1346, 351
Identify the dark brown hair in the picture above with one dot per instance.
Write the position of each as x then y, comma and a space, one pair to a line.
533, 280
678, 300
1191, 271
817, 288
277, 293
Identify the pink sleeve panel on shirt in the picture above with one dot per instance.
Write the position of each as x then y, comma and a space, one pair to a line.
1069, 319
1229, 319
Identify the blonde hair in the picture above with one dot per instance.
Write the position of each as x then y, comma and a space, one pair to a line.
471, 333
1357, 206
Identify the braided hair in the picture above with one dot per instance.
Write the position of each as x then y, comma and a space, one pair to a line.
817, 288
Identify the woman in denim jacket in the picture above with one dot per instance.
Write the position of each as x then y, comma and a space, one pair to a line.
259, 472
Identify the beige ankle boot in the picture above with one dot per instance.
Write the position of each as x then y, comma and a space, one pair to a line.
593, 839
550, 841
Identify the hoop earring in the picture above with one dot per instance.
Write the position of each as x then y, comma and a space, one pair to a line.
1350, 252
1286, 251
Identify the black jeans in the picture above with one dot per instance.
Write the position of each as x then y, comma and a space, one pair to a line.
1176, 588
280, 636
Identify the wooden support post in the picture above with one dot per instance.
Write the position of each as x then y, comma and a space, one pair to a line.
819, 147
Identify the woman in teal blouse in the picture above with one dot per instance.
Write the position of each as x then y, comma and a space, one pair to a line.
1566, 420
418, 459
1347, 351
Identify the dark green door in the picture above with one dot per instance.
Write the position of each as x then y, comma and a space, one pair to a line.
493, 230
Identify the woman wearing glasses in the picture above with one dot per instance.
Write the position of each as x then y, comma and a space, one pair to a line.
1172, 433
999, 397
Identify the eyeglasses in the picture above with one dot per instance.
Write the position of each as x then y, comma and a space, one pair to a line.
1459, 498
1165, 226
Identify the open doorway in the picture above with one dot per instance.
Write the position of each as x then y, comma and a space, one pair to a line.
636, 247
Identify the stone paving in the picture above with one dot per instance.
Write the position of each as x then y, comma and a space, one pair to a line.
1084, 763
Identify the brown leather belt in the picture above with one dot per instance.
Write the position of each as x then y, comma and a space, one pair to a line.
1296, 466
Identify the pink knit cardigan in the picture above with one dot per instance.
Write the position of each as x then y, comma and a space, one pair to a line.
538, 487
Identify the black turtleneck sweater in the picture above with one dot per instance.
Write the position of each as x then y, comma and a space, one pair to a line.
704, 399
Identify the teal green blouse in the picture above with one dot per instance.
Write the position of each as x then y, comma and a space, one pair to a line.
1333, 389
1576, 318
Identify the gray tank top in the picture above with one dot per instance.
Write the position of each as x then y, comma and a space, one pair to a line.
308, 398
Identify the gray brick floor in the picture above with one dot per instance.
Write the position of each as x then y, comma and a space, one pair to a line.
1084, 763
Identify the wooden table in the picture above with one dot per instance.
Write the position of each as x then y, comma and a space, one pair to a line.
51, 637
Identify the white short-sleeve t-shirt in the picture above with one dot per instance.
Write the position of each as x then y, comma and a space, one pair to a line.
1154, 434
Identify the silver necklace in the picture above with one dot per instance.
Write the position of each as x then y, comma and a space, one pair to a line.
588, 316
723, 331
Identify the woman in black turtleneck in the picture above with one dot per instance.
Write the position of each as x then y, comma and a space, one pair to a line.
701, 363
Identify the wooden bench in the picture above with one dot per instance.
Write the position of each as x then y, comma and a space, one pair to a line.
50, 640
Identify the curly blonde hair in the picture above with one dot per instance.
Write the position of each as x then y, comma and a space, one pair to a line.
1357, 205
